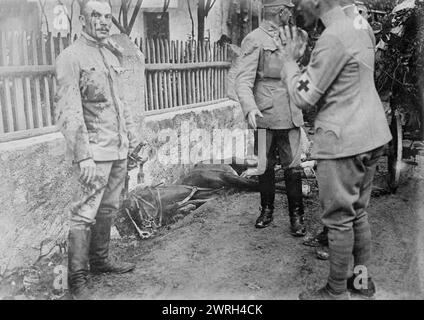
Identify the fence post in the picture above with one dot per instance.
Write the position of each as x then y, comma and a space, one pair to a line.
47, 106
6, 83
38, 113
27, 84
18, 90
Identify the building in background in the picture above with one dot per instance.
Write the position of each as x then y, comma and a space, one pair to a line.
174, 24
232, 18
19, 15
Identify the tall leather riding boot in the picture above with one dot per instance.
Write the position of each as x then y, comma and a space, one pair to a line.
293, 180
78, 249
267, 191
99, 248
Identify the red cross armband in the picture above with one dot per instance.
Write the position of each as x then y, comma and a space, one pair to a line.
307, 91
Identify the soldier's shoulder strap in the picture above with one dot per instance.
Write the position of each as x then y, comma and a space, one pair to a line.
266, 32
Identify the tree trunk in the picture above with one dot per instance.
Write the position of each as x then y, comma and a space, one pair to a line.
201, 21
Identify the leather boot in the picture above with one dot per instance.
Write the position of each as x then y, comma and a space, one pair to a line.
368, 292
267, 191
320, 240
78, 249
324, 293
265, 218
99, 248
293, 180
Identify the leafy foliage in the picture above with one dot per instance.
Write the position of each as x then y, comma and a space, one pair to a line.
383, 5
399, 67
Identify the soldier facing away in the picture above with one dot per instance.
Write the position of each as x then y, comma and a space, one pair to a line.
266, 105
350, 133
99, 134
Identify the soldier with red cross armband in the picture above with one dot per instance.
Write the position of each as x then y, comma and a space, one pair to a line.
350, 132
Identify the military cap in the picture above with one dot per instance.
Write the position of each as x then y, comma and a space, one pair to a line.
275, 3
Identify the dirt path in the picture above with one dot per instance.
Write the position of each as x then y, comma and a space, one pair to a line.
217, 253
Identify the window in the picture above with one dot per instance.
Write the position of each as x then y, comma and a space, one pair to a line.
156, 25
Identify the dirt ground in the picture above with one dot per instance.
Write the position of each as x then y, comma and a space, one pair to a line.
216, 253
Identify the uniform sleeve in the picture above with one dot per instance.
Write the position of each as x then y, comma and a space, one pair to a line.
328, 59
246, 75
70, 118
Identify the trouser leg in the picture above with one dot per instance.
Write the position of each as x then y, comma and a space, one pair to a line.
293, 180
100, 240
339, 182
267, 188
345, 190
84, 208
109, 205
267, 180
361, 226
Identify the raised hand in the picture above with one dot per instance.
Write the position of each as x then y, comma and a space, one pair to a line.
290, 44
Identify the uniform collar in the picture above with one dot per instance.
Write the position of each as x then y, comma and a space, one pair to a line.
350, 10
91, 41
107, 43
332, 16
269, 27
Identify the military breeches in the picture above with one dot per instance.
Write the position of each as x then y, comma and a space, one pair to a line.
278, 150
101, 196
345, 187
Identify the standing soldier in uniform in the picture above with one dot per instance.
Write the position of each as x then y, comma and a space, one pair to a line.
265, 103
99, 134
351, 10
350, 132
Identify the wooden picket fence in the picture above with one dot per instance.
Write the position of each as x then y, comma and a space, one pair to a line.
183, 72
178, 73
26, 81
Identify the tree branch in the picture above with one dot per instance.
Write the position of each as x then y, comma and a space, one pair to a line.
165, 7
134, 16
191, 18
43, 11
118, 25
209, 6
116, 22
125, 14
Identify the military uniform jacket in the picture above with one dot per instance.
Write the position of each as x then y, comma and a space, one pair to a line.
340, 80
92, 117
259, 84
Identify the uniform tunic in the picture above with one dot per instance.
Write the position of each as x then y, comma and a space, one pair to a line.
92, 117
96, 125
340, 80
259, 84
